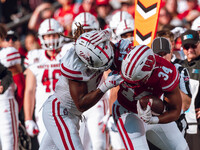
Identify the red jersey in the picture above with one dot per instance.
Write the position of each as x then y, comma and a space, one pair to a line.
165, 77
79, 9
65, 17
185, 13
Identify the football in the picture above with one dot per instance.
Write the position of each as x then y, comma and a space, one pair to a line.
157, 106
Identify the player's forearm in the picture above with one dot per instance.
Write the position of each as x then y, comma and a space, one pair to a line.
169, 116
174, 105
29, 102
89, 100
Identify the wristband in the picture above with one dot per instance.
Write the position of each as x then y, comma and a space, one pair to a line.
103, 87
154, 120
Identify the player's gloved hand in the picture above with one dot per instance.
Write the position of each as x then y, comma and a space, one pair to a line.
124, 44
146, 115
31, 128
111, 81
104, 121
102, 36
111, 124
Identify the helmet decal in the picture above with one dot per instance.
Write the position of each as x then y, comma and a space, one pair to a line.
149, 63
138, 65
99, 57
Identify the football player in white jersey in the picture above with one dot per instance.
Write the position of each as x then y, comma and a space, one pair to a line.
91, 127
8, 106
124, 30
115, 20
10, 58
42, 73
78, 89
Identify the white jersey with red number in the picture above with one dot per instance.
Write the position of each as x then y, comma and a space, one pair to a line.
46, 71
74, 69
40, 55
165, 77
46, 75
9, 56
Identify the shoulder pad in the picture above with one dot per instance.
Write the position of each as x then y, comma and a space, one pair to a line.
33, 57
73, 68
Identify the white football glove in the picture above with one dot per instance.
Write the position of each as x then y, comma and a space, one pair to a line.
111, 124
146, 115
104, 121
31, 128
124, 44
102, 36
110, 82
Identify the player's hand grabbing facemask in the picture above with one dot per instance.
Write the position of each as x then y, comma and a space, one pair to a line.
112, 80
101, 36
124, 44
146, 114
31, 128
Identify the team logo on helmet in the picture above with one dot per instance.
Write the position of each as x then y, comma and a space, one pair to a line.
138, 65
99, 57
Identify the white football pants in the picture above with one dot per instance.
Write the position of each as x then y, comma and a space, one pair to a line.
133, 132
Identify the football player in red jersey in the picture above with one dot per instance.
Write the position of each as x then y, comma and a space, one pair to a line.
144, 74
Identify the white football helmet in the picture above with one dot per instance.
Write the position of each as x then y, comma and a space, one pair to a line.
98, 57
51, 26
137, 66
87, 20
116, 19
196, 24
125, 26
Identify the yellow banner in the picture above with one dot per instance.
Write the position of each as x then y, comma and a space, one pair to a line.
146, 21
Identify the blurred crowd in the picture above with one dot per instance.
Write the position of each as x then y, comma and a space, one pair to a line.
173, 13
